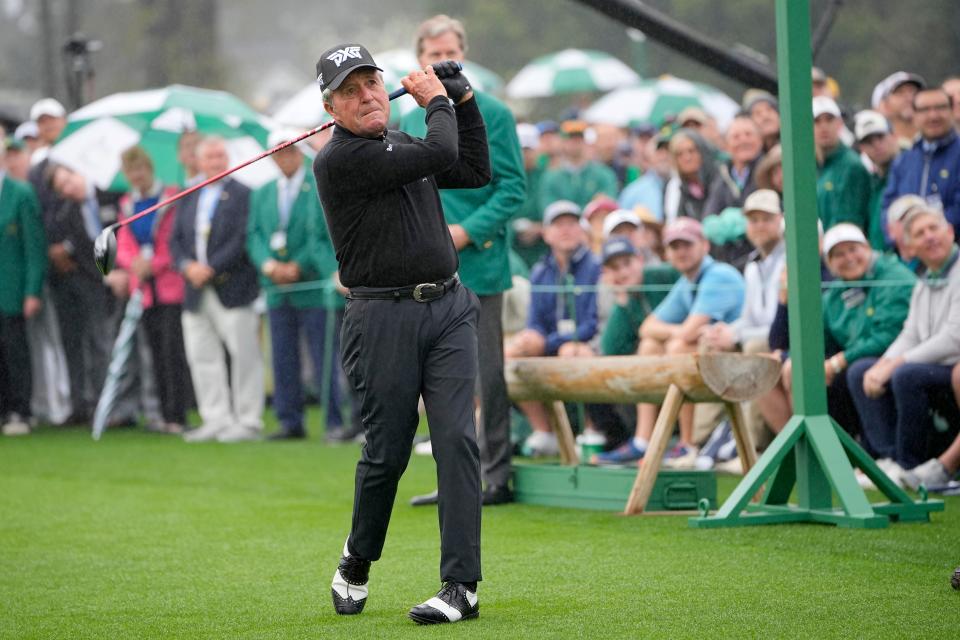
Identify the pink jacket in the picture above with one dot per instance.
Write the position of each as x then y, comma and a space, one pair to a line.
168, 282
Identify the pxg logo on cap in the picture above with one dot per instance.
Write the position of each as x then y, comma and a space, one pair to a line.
338, 62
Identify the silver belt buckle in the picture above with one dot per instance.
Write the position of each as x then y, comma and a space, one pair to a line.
419, 289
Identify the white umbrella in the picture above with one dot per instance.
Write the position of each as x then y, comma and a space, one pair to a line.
652, 100
570, 71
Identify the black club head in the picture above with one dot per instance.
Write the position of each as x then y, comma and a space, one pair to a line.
105, 250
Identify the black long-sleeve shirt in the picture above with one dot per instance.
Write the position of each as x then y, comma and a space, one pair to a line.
381, 201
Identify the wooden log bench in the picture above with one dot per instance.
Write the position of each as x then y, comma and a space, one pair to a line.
727, 378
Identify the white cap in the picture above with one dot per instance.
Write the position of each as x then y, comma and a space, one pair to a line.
869, 123
900, 207
529, 135
766, 200
825, 104
281, 135
26, 129
843, 232
47, 107
561, 207
615, 218
893, 82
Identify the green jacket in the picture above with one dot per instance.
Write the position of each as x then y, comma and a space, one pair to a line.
484, 213
307, 244
878, 184
843, 189
864, 321
23, 245
621, 335
579, 185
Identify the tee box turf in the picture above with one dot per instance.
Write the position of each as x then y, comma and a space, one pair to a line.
607, 488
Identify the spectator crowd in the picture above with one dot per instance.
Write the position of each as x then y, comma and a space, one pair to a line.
656, 238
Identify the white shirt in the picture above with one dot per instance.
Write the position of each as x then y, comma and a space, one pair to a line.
206, 207
762, 276
287, 191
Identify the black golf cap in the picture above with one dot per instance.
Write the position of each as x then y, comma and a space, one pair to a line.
338, 62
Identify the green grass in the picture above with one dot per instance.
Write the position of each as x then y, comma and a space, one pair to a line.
142, 536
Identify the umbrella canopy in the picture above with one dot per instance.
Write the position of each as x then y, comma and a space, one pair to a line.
570, 71
98, 133
305, 108
652, 100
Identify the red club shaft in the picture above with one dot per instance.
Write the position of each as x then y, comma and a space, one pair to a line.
224, 174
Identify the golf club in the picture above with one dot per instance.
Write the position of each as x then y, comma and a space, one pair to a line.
105, 246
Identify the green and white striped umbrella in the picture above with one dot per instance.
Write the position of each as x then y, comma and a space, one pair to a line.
570, 71
652, 100
98, 133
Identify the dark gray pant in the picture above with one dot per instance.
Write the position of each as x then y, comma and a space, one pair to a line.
393, 352
494, 432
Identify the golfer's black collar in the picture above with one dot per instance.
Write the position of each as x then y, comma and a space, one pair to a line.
342, 132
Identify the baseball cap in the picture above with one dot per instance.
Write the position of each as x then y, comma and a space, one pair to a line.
529, 135
616, 246
683, 228
825, 105
573, 128
600, 204
9, 144
817, 76
47, 107
752, 96
869, 123
26, 130
843, 232
893, 82
560, 208
693, 114
900, 207
766, 200
281, 135
336, 63
548, 126
617, 218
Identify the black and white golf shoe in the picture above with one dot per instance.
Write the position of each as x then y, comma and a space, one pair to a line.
349, 587
454, 602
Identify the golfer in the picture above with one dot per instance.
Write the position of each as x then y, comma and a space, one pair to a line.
410, 327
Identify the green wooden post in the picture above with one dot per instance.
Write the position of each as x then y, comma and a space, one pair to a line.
812, 454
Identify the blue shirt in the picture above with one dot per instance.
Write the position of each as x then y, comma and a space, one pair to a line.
647, 190
547, 309
716, 292
142, 228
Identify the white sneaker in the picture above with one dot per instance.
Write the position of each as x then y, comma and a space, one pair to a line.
541, 444
239, 434
206, 433
733, 466
865, 483
16, 426
893, 470
931, 473
423, 448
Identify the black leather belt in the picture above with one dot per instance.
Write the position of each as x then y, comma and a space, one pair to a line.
424, 292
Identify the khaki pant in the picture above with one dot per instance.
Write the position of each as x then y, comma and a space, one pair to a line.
205, 331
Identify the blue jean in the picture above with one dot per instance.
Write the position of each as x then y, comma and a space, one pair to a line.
898, 424
286, 323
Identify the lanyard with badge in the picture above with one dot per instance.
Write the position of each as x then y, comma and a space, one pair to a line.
286, 196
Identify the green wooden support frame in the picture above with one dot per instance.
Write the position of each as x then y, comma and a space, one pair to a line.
813, 455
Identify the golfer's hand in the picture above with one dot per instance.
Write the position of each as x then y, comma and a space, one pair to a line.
423, 85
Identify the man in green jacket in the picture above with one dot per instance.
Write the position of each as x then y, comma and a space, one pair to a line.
843, 183
288, 243
478, 219
577, 178
23, 263
859, 321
